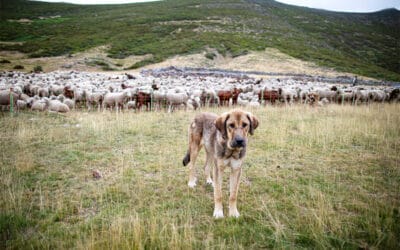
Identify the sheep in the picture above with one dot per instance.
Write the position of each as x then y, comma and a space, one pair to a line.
68, 92
345, 95
79, 97
5, 98
82, 87
57, 106
117, 99
253, 104
21, 104
377, 96
24, 97
176, 99
287, 95
131, 105
159, 98
43, 92
94, 99
33, 90
56, 90
361, 95
69, 102
394, 95
193, 103
331, 95
40, 105
324, 101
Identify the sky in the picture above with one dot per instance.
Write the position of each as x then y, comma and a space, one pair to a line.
333, 5
346, 5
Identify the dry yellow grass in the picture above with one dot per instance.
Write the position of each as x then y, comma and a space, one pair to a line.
269, 60
313, 178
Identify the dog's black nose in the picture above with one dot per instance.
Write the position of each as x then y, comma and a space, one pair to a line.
239, 142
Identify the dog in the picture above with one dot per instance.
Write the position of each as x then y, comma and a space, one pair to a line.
225, 140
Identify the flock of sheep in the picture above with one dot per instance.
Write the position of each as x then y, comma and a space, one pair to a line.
65, 91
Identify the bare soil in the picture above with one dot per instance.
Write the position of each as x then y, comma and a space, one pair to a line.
270, 60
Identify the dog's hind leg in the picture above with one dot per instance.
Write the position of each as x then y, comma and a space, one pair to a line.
191, 155
207, 167
194, 152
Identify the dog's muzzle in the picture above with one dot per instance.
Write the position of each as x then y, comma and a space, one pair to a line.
238, 142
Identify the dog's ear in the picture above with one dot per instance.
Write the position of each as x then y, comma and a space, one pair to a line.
253, 122
220, 124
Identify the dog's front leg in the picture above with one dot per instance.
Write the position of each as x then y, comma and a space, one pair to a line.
234, 181
217, 179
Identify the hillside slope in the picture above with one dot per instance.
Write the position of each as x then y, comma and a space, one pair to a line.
364, 44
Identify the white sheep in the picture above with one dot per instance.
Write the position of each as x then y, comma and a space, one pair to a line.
69, 102
40, 105
21, 104
57, 106
115, 99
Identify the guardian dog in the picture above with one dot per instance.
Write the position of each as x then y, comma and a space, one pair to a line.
225, 140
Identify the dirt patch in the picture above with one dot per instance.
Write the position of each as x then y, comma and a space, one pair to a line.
22, 20
269, 60
96, 60
92, 60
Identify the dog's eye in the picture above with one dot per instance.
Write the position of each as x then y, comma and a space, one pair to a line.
232, 125
244, 125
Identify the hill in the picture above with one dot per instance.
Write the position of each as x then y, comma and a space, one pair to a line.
364, 44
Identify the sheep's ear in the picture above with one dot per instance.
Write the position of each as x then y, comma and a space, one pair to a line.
253, 122
220, 124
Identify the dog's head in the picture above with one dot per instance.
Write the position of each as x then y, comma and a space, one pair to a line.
235, 126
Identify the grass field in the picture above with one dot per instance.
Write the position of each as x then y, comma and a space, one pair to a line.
313, 178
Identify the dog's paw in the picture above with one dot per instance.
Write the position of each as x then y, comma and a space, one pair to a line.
218, 213
209, 181
234, 213
192, 183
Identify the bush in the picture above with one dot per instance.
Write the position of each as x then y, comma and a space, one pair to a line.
210, 55
5, 61
145, 62
38, 68
19, 67
239, 53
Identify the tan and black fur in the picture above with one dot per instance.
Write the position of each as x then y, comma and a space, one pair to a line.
225, 140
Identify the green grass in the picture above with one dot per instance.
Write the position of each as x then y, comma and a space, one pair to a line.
313, 178
365, 44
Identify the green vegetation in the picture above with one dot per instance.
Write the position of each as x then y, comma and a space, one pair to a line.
365, 44
98, 62
210, 55
145, 62
4, 61
322, 178
18, 67
37, 68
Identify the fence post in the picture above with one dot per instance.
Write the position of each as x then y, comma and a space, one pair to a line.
11, 101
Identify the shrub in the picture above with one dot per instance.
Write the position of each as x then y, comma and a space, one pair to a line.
5, 61
19, 67
38, 68
210, 55
146, 62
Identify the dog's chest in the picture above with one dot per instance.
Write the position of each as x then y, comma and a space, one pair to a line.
232, 162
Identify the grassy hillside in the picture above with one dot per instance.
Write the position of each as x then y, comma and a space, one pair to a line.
365, 44
313, 178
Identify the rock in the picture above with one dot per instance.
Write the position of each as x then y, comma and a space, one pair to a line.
97, 174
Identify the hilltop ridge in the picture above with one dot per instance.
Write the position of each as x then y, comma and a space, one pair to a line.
359, 43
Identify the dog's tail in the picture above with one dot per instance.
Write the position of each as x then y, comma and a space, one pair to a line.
186, 159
